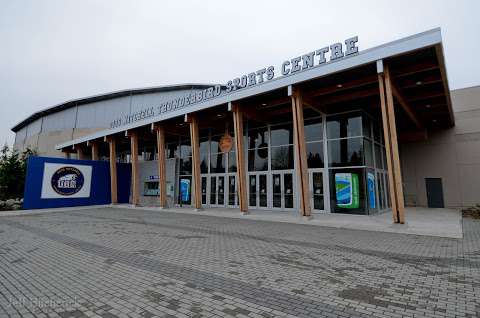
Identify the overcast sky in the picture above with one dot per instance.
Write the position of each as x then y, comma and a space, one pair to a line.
53, 51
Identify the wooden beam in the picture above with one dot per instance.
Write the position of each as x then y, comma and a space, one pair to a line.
350, 96
388, 149
407, 108
113, 169
253, 114
431, 94
134, 162
80, 154
241, 173
394, 147
443, 72
416, 68
370, 79
300, 149
309, 102
194, 137
162, 179
94, 150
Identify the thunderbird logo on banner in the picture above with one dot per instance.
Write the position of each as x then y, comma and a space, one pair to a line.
66, 181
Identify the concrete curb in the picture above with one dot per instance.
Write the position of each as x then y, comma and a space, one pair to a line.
340, 221
54, 210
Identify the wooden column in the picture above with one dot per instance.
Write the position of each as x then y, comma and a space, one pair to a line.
195, 143
240, 156
80, 154
162, 178
113, 169
391, 146
134, 162
300, 149
94, 149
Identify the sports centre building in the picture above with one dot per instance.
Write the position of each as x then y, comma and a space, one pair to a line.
335, 130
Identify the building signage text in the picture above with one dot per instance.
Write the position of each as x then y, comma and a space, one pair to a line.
289, 67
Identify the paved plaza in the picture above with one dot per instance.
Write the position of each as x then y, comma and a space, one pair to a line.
114, 262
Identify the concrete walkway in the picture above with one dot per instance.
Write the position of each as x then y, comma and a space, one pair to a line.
420, 221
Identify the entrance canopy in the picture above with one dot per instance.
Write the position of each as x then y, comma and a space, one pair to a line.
420, 89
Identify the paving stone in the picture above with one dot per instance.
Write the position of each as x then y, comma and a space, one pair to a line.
115, 262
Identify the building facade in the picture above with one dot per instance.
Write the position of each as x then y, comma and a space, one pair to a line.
338, 131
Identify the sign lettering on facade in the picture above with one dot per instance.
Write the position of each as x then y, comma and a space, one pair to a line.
331, 53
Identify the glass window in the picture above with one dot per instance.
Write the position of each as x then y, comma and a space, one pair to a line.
345, 152
217, 163
371, 189
185, 150
172, 150
214, 144
367, 131
150, 188
378, 157
377, 132
203, 162
384, 158
204, 145
232, 161
282, 157
315, 154
368, 152
344, 125
347, 191
313, 129
258, 159
281, 135
186, 166
258, 138
381, 191
185, 190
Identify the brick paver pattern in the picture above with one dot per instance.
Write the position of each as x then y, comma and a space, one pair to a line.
114, 262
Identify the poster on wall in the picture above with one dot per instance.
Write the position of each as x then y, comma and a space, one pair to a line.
346, 188
61, 181
185, 190
371, 190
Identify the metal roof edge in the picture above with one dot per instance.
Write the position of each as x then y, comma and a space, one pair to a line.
401, 46
104, 96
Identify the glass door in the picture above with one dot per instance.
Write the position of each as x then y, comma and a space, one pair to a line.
282, 190
204, 189
316, 190
258, 190
217, 190
232, 191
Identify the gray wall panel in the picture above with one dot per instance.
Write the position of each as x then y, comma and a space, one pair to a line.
101, 114
34, 128
59, 121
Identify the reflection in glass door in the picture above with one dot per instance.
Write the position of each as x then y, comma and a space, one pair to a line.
232, 191
252, 190
213, 190
316, 190
258, 190
221, 190
277, 190
204, 190
287, 191
217, 190
282, 190
262, 191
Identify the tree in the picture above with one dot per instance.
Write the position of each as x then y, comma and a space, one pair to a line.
13, 167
